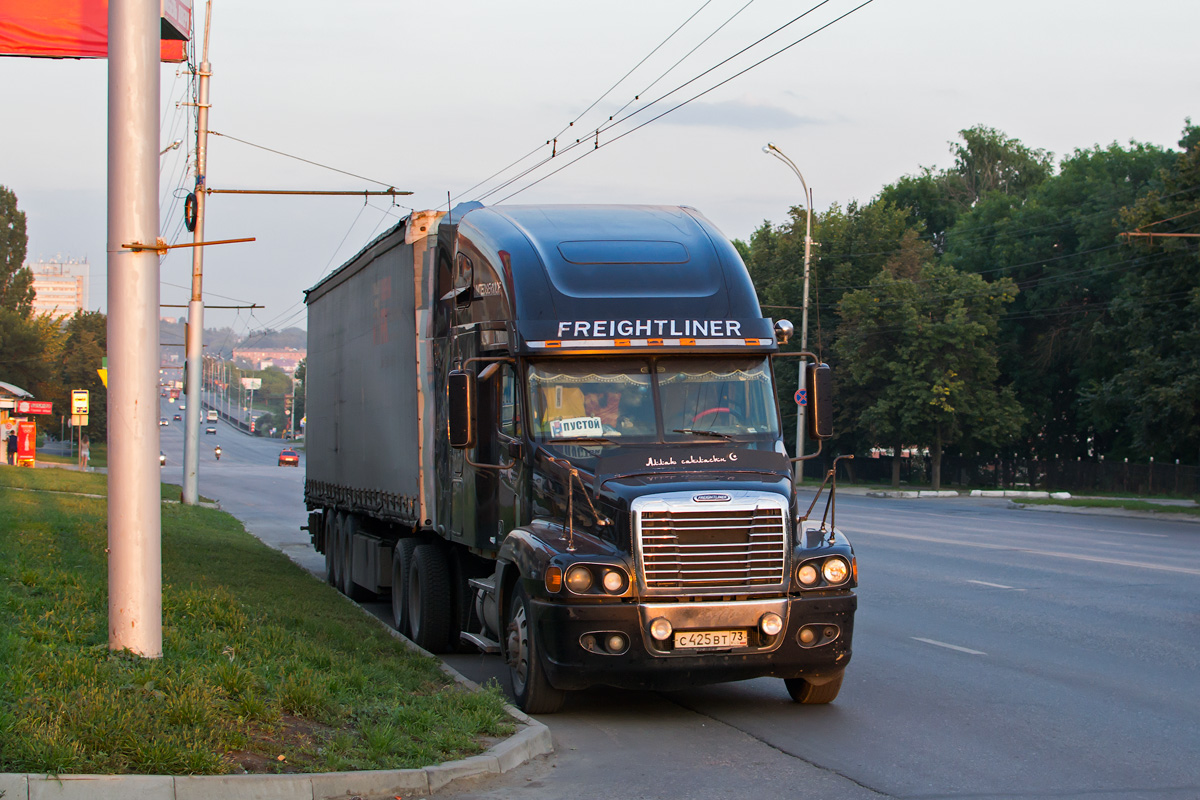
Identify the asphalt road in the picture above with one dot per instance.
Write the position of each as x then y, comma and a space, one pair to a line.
999, 653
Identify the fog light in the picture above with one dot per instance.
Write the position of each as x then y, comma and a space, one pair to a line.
579, 579
614, 581
835, 570
807, 574
615, 643
807, 636
661, 629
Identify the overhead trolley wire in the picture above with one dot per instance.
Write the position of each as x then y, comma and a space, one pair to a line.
613, 123
698, 95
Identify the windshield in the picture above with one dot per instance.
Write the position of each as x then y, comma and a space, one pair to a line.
653, 399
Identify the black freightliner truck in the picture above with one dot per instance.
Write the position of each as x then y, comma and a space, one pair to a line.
551, 432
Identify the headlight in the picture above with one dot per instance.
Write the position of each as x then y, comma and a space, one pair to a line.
835, 570
614, 581
661, 629
807, 574
579, 579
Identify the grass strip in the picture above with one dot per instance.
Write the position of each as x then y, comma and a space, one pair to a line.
1128, 505
264, 668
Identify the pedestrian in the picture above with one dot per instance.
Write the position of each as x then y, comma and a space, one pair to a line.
12, 447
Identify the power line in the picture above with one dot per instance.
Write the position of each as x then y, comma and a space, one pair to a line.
659, 116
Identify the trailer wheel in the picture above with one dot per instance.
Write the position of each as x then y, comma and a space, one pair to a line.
402, 558
811, 694
532, 690
327, 546
429, 603
349, 588
333, 549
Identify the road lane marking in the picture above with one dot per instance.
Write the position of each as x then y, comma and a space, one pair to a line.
995, 585
1130, 562
936, 643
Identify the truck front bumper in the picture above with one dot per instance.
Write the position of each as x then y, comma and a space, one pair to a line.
815, 641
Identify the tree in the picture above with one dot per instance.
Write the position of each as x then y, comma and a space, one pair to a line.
986, 161
1059, 243
919, 355
83, 353
1151, 399
16, 280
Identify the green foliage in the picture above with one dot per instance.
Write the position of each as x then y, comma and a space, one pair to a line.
919, 361
16, 280
260, 659
1060, 245
1150, 397
1095, 341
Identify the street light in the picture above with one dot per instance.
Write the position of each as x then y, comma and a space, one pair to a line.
772, 150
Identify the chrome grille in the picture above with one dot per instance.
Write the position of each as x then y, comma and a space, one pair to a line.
688, 547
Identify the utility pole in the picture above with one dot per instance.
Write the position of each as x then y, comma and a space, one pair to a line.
134, 501
195, 327
772, 150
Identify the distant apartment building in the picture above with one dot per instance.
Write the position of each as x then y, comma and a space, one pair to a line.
60, 288
286, 358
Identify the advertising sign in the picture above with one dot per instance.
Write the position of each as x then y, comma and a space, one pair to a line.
35, 407
26, 443
79, 29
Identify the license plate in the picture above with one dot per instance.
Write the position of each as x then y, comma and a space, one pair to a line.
696, 639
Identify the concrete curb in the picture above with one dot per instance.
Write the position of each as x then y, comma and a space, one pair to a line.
533, 739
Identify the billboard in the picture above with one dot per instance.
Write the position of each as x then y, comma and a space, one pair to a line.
79, 28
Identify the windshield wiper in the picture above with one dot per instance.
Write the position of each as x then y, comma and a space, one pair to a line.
695, 432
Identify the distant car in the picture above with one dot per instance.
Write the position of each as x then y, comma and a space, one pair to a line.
163, 421
162, 458
177, 418
289, 456
210, 429
182, 407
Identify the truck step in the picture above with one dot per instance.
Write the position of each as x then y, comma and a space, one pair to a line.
486, 584
484, 644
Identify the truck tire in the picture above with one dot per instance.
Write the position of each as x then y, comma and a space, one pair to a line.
402, 558
327, 546
532, 690
811, 694
429, 601
333, 547
349, 525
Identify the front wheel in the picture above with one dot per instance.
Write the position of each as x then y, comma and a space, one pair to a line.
811, 694
532, 690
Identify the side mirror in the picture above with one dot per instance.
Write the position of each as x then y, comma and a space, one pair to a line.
462, 405
819, 380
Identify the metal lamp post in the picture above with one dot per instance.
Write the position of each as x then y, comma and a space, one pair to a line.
772, 150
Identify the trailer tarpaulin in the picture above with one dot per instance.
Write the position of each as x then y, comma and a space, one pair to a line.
79, 28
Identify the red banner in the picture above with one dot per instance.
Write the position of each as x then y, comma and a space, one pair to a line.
35, 407
79, 28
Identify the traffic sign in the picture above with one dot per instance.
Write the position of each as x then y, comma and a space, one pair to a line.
802, 397
79, 401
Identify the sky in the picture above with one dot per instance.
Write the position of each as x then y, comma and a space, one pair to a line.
436, 98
